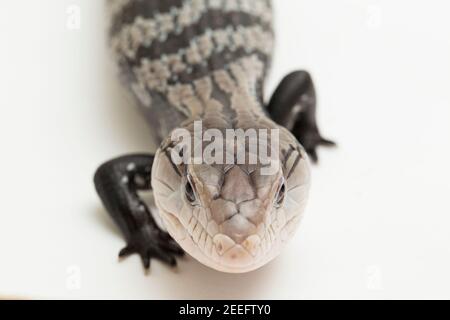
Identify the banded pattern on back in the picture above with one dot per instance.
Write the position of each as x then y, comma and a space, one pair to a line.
188, 60
165, 48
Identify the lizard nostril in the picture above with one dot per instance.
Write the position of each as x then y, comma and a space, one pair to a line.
251, 244
223, 244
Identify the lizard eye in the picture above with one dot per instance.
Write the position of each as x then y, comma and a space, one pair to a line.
190, 191
281, 194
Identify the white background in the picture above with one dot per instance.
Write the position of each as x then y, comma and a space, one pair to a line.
378, 223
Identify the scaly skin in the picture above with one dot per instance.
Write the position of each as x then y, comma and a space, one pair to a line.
191, 60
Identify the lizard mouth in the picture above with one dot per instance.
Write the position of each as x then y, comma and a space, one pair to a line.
219, 251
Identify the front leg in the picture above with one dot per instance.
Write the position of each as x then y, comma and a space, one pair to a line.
293, 105
117, 183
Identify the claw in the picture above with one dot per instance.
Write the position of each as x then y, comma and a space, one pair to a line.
152, 245
146, 261
312, 140
327, 143
312, 150
173, 262
313, 155
125, 252
173, 248
166, 258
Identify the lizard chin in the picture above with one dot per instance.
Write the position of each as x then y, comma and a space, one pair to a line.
222, 253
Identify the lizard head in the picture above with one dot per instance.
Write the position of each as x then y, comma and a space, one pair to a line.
233, 216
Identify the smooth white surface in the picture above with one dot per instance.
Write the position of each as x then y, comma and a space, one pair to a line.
378, 223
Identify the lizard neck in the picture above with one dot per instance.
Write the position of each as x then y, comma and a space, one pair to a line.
230, 98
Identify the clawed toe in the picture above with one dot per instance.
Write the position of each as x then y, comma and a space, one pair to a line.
127, 251
153, 244
311, 145
327, 143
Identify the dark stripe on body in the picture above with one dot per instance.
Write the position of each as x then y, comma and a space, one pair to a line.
217, 61
212, 20
142, 8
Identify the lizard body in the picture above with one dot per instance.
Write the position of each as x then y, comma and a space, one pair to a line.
174, 55
191, 61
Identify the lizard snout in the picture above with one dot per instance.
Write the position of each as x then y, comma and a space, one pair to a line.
234, 255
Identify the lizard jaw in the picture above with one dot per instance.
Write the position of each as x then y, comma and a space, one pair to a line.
222, 253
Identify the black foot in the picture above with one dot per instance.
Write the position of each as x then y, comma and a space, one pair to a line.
152, 243
311, 139
118, 182
293, 105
